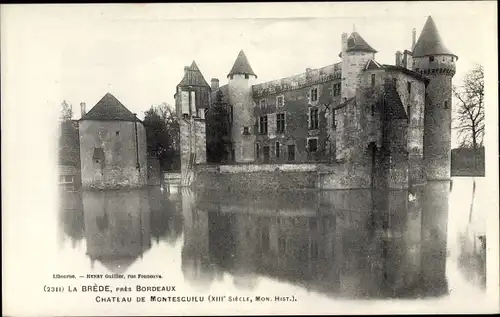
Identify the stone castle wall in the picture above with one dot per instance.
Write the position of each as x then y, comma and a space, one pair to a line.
437, 121
296, 107
118, 167
240, 97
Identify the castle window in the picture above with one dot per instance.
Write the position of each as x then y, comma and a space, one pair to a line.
245, 131
277, 149
336, 89
230, 113
263, 125
257, 150
280, 123
408, 86
373, 110
246, 76
312, 144
117, 133
282, 244
446, 104
314, 250
408, 113
291, 152
314, 94
431, 58
313, 223
334, 123
313, 119
373, 80
265, 153
394, 81
279, 101
262, 103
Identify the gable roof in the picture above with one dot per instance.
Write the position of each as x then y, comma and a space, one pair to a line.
406, 71
394, 106
372, 64
193, 76
430, 42
356, 43
241, 66
109, 108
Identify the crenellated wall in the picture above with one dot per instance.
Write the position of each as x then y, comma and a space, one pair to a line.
308, 78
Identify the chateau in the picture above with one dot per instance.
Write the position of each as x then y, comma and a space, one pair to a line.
352, 124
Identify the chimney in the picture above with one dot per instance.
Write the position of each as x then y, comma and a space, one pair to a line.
214, 83
413, 38
83, 108
398, 58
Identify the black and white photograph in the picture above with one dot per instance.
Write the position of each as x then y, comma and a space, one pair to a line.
249, 158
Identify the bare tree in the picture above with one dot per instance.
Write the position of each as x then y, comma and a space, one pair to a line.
66, 111
470, 112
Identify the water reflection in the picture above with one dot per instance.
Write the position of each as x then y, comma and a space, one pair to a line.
119, 225
117, 228
352, 243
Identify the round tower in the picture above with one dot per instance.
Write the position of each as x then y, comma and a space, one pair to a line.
356, 53
240, 81
432, 59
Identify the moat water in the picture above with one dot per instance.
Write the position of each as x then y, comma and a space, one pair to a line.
326, 248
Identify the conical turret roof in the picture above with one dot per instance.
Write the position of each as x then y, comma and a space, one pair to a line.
109, 108
241, 65
356, 43
430, 42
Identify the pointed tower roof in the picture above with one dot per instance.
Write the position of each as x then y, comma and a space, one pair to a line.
430, 42
193, 76
241, 65
356, 43
109, 108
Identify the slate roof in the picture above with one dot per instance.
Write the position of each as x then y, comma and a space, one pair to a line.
109, 108
356, 43
430, 42
406, 71
394, 106
241, 66
193, 76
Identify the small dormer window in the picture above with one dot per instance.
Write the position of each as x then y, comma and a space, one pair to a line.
351, 42
431, 58
231, 76
246, 76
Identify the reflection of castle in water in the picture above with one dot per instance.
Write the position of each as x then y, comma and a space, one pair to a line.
356, 243
118, 225
117, 228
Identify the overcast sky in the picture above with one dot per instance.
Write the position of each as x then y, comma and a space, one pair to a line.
137, 52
